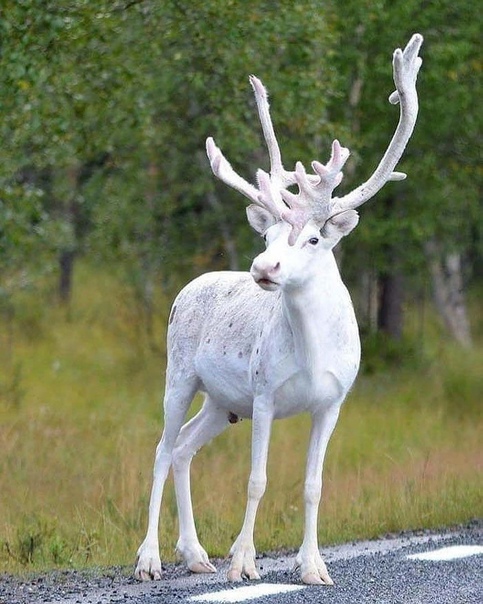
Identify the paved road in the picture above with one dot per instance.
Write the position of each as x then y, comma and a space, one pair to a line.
375, 572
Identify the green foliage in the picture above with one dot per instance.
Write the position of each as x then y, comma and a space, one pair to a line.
90, 79
440, 197
105, 107
22, 233
35, 539
382, 353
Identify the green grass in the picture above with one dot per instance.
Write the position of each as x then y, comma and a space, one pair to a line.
80, 417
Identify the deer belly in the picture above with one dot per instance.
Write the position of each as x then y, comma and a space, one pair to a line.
225, 380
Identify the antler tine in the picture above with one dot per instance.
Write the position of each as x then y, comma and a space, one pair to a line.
268, 194
223, 170
406, 65
279, 176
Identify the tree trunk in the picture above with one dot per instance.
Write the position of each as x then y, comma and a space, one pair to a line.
390, 316
66, 271
391, 298
76, 214
72, 216
448, 291
368, 300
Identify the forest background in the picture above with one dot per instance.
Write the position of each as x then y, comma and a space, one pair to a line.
108, 206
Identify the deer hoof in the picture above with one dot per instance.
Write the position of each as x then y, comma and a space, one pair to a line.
314, 578
143, 575
148, 568
251, 574
195, 557
242, 562
201, 567
234, 575
312, 569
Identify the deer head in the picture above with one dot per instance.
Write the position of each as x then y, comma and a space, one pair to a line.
313, 212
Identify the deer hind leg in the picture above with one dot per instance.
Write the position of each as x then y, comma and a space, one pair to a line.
208, 423
243, 550
312, 568
176, 403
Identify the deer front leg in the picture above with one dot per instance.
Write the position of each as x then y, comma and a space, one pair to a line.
243, 550
312, 568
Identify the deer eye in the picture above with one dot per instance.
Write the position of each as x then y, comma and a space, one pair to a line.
313, 241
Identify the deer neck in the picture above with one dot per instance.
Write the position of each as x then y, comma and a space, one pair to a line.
316, 313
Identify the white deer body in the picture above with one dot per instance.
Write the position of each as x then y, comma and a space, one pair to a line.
272, 343
239, 340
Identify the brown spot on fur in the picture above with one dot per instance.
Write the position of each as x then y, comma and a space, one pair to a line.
232, 418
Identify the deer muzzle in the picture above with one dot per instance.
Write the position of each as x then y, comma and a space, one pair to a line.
266, 272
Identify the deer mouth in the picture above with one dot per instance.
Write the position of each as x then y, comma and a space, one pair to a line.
267, 284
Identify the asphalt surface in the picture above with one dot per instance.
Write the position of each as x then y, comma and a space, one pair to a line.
375, 572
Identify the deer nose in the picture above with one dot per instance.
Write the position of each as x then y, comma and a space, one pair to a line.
264, 269
272, 269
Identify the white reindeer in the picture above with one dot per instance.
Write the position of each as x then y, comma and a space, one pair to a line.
271, 343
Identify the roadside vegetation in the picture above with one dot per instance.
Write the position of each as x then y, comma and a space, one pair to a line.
80, 422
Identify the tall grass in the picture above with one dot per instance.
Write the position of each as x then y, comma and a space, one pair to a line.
77, 444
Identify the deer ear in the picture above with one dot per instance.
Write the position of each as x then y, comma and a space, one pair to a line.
340, 225
260, 220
